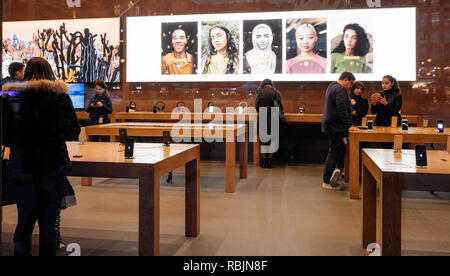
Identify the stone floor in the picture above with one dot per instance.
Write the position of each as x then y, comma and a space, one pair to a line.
281, 211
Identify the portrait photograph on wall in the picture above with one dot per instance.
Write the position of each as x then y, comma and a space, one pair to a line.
352, 45
263, 50
220, 47
306, 46
79, 50
179, 47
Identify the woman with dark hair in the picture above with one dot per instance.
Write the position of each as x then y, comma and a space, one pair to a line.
268, 97
387, 104
360, 106
221, 55
350, 54
41, 123
100, 105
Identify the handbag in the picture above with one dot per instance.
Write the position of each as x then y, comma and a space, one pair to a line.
283, 119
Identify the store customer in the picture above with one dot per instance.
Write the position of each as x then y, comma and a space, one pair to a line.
100, 105
268, 97
360, 106
43, 120
388, 103
336, 122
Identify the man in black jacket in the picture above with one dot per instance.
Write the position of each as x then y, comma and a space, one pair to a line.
16, 72
336, 122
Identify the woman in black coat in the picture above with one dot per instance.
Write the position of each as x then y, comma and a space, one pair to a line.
388, 103
360, 106
269, 97
40, 121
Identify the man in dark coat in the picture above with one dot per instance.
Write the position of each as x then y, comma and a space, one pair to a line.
336, 122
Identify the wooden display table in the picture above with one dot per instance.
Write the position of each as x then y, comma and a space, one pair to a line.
385, 134
229, 132
82, 116
150, 163
295, 118
237, 118
396, 172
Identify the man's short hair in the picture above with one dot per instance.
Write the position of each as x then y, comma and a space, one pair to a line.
347, 75
14, 68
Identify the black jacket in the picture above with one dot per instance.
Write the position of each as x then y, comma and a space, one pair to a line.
269, 97
385, 113
361, 107
337, 114
96, 112
8, 79
38, 123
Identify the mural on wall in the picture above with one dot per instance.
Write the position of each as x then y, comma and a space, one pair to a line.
78, 50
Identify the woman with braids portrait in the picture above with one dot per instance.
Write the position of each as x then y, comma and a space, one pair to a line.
221, 55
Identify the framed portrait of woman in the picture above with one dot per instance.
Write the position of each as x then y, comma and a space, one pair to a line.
262, 47
220, 48
306, 46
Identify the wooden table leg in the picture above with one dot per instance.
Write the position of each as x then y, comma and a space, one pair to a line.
193, 198
86, 181
230, 166
149, 210
256, 154
1, 220
369, 208
347, 164
354, 167
391, 215
243, 157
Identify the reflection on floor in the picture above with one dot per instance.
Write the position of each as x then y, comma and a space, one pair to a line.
280, 211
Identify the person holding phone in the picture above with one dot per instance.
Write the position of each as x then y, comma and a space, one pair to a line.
100, 105
387, 104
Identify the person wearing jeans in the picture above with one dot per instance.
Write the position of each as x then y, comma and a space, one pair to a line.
336, 122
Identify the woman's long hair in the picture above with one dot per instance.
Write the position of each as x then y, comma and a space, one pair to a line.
233, 53
396, 86
38, 69
362, 44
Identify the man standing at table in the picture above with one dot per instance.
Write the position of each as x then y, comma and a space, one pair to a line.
336, 122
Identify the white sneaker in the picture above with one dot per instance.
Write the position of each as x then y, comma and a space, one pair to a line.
335, 177
331, 187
